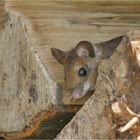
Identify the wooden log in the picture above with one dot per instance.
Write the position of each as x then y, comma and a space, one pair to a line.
26, 88
118, 76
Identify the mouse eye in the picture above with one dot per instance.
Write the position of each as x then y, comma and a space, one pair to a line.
82, 71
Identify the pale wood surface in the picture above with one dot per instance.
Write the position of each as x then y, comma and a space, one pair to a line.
62, 24
25, 86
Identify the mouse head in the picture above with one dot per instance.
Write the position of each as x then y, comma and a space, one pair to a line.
80, 68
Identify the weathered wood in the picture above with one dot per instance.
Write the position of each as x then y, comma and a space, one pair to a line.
26, 88
118, 76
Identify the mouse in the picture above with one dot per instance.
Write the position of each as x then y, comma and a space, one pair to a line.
81, 64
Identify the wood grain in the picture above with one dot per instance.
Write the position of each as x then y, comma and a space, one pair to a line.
62, 24
25, 86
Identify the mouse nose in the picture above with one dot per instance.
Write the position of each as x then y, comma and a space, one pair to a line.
77, 92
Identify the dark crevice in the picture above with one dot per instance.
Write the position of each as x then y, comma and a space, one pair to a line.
50, 128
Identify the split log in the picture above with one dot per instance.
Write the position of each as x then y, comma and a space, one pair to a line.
26, 88
120, 75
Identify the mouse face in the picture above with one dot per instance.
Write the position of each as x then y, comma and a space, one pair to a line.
80, 64
80, 68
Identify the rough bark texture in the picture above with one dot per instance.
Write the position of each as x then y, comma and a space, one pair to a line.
117, 76
26, 88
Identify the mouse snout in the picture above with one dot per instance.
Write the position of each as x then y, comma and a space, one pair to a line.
77, 92
81, 90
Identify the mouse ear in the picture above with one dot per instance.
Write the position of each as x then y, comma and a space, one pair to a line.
85, 49
59, 55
